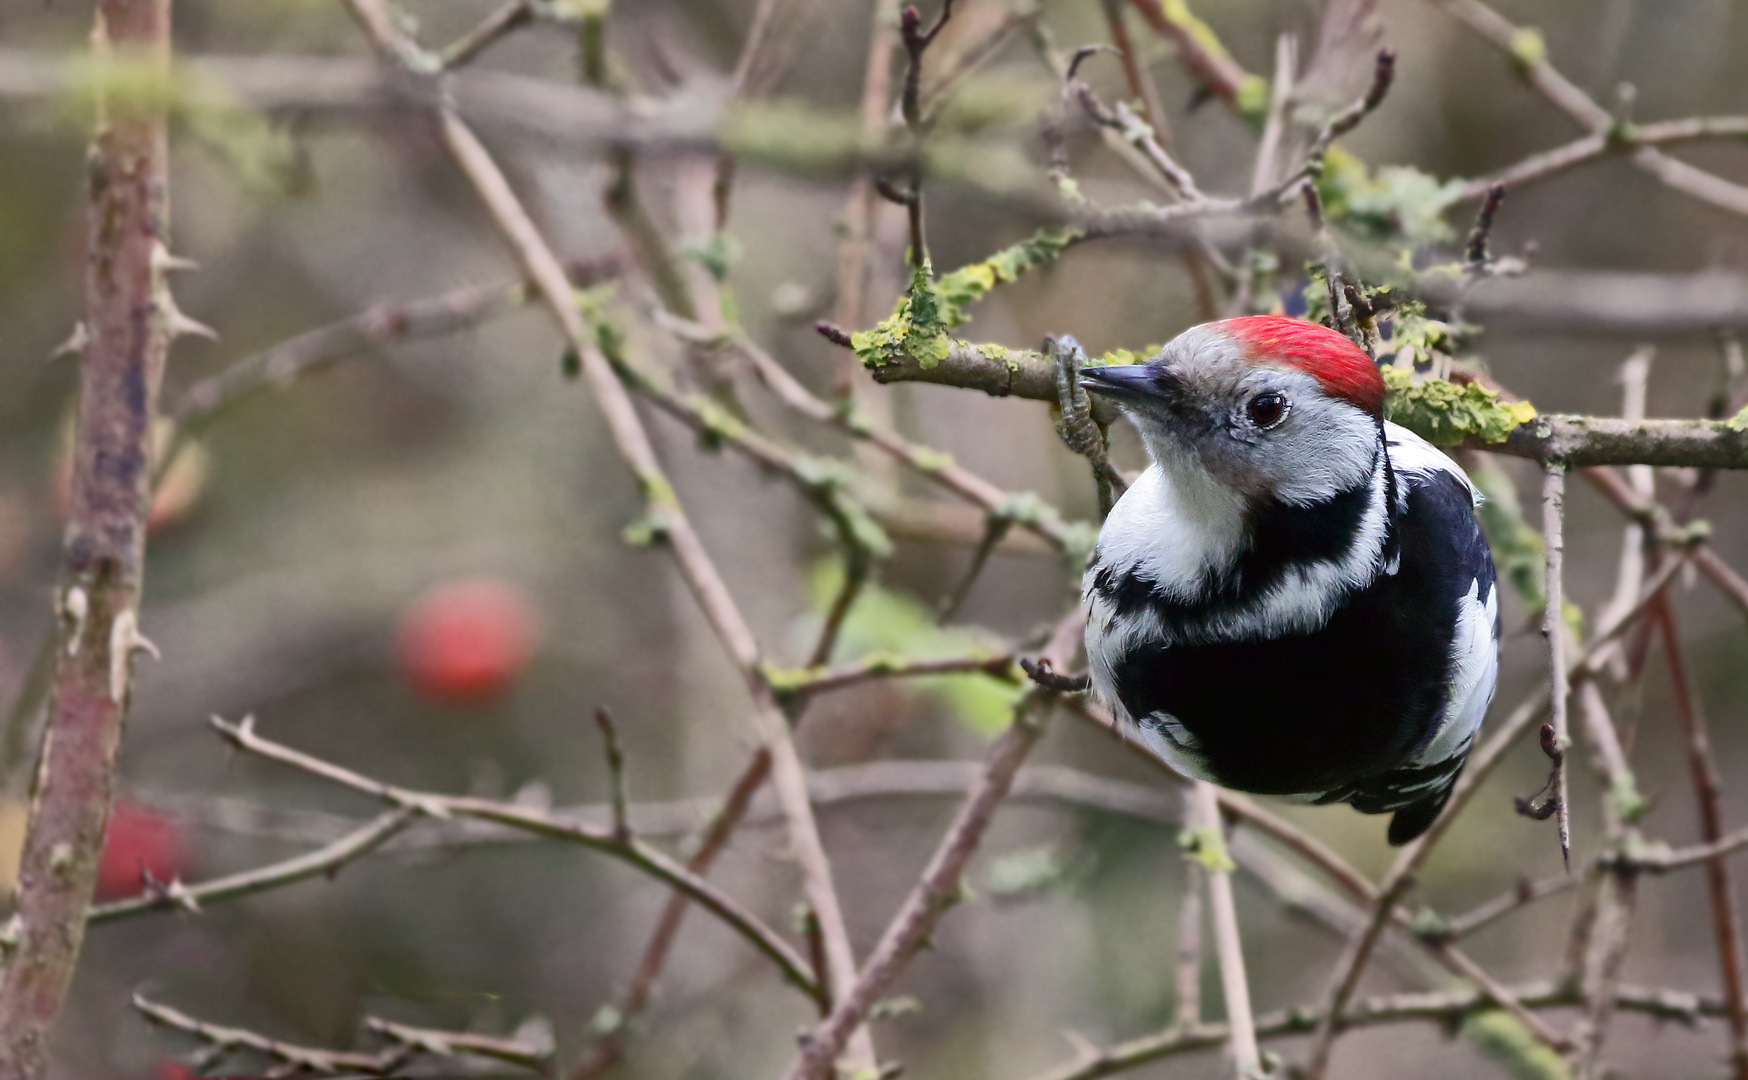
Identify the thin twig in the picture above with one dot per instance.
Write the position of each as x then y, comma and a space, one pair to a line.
1518, 896
695, 564
534, 1056
324, 862
381, 323
936, 892
615, 774
608, 1050
1554, 629
1707, 786
880, 668
1228, 946
224, 1041
632, 851
1619, 138
496, 26
1529, 55
1188, 1013
1445, 1007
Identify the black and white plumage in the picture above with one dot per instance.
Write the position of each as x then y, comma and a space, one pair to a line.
1295, 598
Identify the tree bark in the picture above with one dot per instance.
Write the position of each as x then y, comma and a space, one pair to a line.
128, 323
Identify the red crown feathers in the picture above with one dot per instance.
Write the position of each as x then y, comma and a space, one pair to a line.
1338, 365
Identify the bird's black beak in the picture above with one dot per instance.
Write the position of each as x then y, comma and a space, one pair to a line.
1130, 382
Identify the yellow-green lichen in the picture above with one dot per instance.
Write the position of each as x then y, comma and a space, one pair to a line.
1446, 413
1205, 845
918, 327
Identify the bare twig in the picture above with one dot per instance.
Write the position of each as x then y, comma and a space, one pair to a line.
1202, 56
224, 1041
1444, 1007
1619, 138
1520, 895
325, 862
1707, 785
632, 851
503, 21
936, 892
1606, 922
380, 324
130, 318
695, 564
1554, 629
607, 1051
1228, 946
1528, 53
880, 668
535, 1056
615, 773
1189, 933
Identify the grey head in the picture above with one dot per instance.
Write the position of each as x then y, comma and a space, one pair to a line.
1208, 409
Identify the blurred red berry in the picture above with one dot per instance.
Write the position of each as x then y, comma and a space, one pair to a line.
466, 641
137, 840
171, 1069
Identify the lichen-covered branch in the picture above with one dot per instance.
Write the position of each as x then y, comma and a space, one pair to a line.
1445, 413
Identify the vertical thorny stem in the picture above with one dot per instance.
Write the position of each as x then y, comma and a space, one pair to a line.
128, 325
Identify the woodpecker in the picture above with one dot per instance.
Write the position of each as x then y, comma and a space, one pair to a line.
1295, 598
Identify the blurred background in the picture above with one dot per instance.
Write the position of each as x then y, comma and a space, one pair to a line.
325, 549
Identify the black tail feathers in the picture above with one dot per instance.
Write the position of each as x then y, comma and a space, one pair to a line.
1415, 818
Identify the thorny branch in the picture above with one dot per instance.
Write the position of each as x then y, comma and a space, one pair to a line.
130, 318
404, 1044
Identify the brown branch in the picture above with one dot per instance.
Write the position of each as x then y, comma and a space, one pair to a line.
1228, 946
325, 862
496, 26
1203, 58
607, 1051
1527, 51
224, 1041
129, 321
1554, 629
694, 562
405, 1044
877, 669
631, 850
312, 350
1446, 1007
936, 892
533, 1056
1707, 786
1618, 139
1649, 513
1520, 895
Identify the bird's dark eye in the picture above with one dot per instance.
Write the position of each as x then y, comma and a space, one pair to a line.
1267, 409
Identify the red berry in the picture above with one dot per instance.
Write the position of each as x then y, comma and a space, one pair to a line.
137, 840
466, 641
